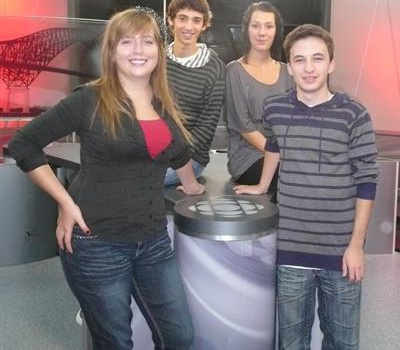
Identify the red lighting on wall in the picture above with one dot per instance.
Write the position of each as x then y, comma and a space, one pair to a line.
19, 18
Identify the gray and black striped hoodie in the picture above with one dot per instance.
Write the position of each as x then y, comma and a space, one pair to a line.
328, 160
199, 88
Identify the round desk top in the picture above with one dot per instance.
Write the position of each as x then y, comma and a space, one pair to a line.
226, 217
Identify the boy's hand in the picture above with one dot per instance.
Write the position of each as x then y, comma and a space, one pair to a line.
353, 264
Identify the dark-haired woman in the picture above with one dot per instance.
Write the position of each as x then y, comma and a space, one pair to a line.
252, 78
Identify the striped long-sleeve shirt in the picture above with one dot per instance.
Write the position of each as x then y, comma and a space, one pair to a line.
328, 160
200, 95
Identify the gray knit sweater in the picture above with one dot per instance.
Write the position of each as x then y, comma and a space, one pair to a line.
328, 160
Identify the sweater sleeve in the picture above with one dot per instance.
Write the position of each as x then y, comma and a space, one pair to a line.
208, 119
182, 158
27, 145
236, 103
363, 156
272, 143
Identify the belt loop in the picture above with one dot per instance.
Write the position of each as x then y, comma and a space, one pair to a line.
140, 248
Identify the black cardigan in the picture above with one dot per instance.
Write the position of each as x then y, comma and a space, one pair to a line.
119, 187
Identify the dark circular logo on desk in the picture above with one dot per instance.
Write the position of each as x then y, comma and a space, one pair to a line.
226, 207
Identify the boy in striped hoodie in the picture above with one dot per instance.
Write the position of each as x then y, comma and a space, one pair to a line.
197, 78
327, 180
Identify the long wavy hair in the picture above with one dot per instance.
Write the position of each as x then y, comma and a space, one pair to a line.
112, 99
264, 6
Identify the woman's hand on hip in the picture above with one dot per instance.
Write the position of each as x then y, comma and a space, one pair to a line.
69, 214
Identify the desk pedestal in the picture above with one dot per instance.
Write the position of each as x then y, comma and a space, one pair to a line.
226, 250
230, 288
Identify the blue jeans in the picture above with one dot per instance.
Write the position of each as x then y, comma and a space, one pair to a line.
104, 275
338, 310
171, 178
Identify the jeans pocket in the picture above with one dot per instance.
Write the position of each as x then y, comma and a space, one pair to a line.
157, 249
77, 233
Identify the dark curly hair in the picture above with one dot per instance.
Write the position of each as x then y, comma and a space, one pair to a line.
197, 5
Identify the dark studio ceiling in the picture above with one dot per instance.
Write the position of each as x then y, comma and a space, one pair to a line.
224, 34
293, 11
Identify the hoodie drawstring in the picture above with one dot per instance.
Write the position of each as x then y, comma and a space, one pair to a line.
286, 133
320, 145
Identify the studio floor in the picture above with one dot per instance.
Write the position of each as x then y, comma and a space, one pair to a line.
38, 311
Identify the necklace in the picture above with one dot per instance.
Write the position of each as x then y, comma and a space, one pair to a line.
270, 61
